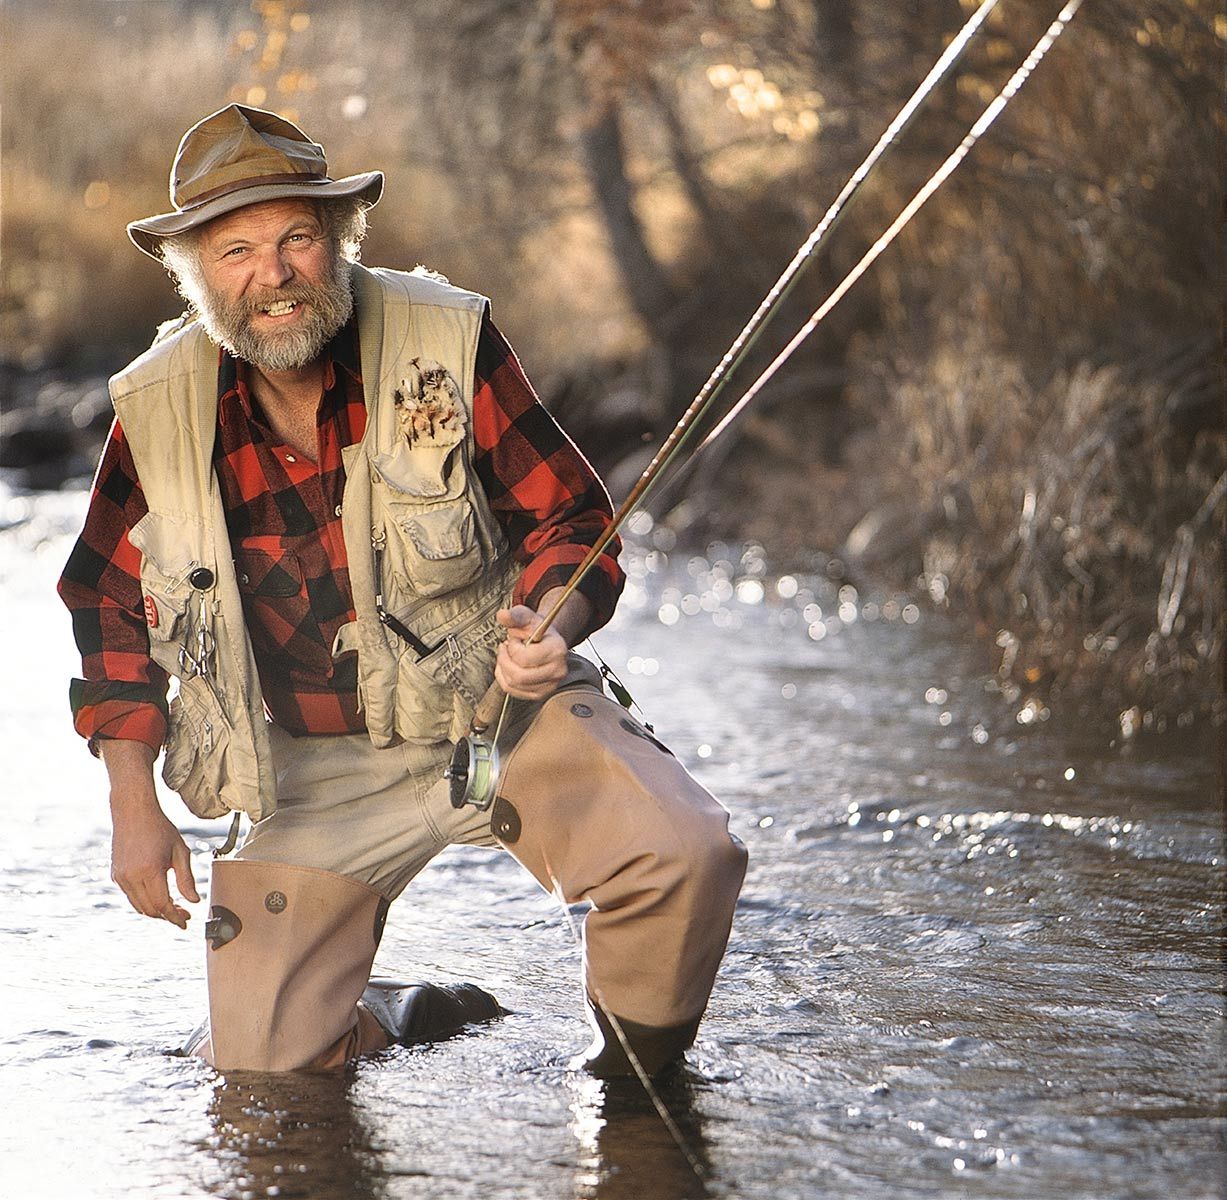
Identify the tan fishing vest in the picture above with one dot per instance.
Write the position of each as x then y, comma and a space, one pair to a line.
421, 542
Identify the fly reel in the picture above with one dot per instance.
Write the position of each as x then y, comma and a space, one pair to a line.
472, 775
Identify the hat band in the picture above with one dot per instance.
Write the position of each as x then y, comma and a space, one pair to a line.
251, 182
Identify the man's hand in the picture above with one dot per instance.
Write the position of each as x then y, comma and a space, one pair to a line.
530, 672
145, 845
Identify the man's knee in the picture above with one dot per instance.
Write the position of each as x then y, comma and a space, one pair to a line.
290, 950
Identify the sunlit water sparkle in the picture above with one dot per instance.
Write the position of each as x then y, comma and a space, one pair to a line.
971, 958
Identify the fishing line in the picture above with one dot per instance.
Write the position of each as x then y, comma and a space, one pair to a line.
645, 1079
746, 339
994, 109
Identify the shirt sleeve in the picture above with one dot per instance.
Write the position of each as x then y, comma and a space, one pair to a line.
552, 506
122, 692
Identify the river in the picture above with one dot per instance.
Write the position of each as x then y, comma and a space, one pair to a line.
975, 955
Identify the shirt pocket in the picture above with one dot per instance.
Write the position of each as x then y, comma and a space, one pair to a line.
433, 547
278, 608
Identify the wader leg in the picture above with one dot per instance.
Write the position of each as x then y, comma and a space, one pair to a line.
598, 810
290, 951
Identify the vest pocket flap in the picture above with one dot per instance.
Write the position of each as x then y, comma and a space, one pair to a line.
172, 544
424, 472
272, 572
440, 533
163, 614
171, 549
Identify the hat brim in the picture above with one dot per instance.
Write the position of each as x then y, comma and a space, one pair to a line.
148, 233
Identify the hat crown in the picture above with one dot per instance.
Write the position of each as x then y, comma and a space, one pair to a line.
240, 147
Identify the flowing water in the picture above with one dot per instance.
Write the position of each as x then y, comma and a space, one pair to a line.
975, 955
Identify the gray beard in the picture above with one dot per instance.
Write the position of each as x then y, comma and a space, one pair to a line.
228, 323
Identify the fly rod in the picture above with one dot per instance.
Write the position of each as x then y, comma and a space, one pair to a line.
474, 769
994, 109
746, 339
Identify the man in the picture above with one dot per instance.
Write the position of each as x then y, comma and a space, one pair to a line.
333, 510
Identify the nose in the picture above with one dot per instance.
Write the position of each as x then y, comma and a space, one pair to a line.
273, 268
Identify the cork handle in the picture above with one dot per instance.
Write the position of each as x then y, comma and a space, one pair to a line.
487, 709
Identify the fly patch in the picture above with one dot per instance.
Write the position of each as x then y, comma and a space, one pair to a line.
428, 407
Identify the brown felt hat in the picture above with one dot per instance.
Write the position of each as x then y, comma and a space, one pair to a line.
240, 156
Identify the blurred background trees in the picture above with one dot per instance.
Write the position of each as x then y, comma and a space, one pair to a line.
1019, 412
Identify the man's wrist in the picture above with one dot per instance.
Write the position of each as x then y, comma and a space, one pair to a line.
129, 767
573, 617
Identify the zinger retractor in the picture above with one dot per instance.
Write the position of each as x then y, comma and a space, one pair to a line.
472, 774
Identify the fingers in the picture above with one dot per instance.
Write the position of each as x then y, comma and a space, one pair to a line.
531, 672
181, 860
149, 895
519, 621
141, 872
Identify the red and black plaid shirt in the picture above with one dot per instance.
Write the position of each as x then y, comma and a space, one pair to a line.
283, 515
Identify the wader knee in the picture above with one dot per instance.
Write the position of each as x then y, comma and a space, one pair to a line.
289, 953
597, 809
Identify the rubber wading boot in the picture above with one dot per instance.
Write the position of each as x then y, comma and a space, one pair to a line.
657, 1050
412, 1013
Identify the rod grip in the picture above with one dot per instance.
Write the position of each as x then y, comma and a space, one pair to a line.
486, 712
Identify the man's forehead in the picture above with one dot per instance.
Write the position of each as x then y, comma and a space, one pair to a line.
260, 220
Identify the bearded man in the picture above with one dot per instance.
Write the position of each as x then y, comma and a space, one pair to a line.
332, 509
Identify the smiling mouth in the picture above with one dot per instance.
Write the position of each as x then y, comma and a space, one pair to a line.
280, 309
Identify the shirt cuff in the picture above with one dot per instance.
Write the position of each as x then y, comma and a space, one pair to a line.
129, 712
601, 586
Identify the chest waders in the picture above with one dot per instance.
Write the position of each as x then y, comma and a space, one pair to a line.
589, 803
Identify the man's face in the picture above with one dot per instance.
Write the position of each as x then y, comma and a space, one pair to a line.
274, 287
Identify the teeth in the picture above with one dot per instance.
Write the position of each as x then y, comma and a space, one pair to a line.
280, 308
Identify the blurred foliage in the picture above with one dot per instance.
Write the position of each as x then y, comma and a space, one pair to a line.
1025, 389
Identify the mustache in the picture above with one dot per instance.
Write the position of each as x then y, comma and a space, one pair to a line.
295, 293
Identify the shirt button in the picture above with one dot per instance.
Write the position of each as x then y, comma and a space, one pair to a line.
290, 458
336, 512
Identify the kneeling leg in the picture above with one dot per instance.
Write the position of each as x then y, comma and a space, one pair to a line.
598, 810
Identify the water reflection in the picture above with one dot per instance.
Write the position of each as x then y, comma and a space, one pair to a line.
298, 1134
627, 1150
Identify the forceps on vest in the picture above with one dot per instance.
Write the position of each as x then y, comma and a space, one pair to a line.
198, 666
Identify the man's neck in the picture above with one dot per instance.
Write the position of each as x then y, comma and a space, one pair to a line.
290, 400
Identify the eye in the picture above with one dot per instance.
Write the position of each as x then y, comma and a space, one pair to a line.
235, 252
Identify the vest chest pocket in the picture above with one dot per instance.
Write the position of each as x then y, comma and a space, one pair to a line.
167, 562
432, 541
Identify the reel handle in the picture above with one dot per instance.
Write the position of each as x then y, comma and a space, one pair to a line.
486, 712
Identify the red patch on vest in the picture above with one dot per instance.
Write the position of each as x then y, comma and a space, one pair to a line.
151, 613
